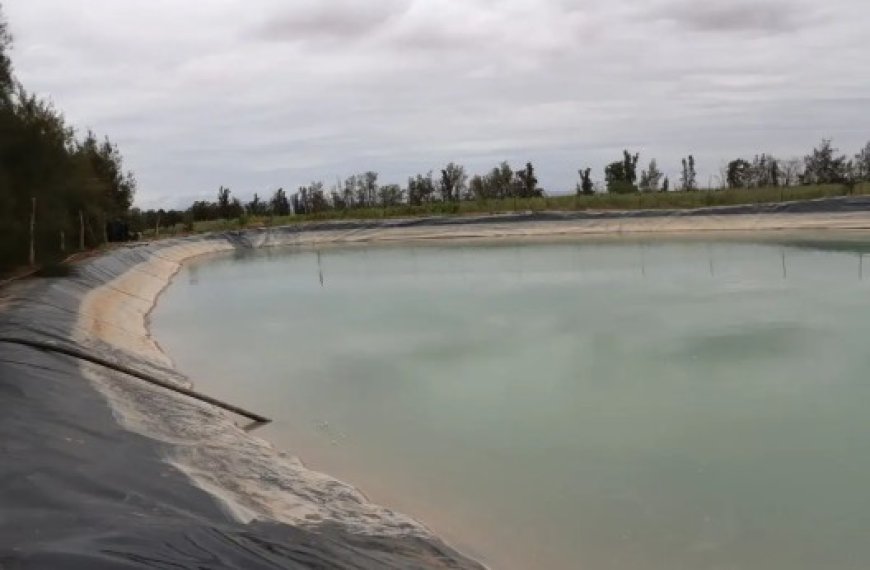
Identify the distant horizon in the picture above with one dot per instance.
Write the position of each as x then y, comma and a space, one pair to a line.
713, 181
260, 95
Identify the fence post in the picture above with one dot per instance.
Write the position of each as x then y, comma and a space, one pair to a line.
33, 232
81, 230
62, 242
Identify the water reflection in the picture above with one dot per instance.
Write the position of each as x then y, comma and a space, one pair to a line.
519, 260
858, 245
193, 274
319, 268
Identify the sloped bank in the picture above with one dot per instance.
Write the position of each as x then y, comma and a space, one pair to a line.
131, 475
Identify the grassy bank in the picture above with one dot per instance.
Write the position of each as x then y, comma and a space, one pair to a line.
638, 201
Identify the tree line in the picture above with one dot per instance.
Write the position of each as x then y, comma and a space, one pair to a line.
824, 165
62, 191
59, 191
360, 191
452, 184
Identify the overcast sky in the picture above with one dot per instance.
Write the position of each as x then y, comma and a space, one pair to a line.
257, 94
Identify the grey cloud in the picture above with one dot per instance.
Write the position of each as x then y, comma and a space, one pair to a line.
435, 39
737, 15
343, 19
265, 93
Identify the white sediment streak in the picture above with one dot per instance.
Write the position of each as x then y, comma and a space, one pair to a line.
116, 313
246, 474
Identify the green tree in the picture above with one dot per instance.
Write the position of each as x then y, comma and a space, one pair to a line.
527, 182
496, 185
367, 189
319, 203
236, 210
792, 171
223, 202
348, 196
630, 166
77, 185
421, 189
390, 195
617, 182
309, 199
477, 188
501, 181
650, 179
337, 197
279, 205
764, 172
7, 80
256, 207
738, 173
622, 175
585, 186
202, 210
688, 177
452, 184
824, 165
108, 165
862, 164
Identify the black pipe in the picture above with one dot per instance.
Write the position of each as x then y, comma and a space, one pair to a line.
82, 355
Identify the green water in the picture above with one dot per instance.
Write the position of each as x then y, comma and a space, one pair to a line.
616, 405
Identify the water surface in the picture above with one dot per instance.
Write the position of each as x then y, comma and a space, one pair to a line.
616, 405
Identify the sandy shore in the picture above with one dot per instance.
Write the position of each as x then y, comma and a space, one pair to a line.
116, 313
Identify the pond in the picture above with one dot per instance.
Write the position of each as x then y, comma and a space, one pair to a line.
624, 404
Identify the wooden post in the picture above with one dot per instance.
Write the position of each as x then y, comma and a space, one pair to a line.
81, 230
62, 242
157, 227
33, 232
